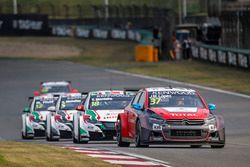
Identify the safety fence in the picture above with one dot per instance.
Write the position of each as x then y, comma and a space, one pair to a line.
222, 55
95, 32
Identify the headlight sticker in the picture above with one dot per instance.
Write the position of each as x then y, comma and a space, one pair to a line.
157, 127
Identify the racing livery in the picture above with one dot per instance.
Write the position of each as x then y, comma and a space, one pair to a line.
33, 119
60, 122
101, 109
55, 88
170, 116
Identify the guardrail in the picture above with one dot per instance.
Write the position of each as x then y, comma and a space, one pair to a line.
222, 55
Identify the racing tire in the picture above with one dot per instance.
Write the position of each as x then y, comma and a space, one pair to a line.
222, 143
49, 137
120, 143
138, 142
24, 136
78, 140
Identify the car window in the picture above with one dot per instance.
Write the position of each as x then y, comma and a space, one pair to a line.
135, 101
109, 102
174, 99
142, 99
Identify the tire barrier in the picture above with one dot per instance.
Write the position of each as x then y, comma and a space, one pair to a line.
222, 55
93, 32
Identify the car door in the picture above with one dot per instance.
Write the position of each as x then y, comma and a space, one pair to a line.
132, 115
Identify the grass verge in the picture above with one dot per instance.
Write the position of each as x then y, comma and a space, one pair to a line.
120, 55
18, 154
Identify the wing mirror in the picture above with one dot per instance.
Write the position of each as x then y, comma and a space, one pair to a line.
211, 107
80, 108
36, 93
137, 106
52, 109
26, 110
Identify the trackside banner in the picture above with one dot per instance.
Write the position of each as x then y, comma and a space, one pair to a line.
221, 55
24, 24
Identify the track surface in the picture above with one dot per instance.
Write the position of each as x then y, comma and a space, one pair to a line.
19, 78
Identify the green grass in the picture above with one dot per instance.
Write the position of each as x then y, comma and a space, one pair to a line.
120, 55
17, 154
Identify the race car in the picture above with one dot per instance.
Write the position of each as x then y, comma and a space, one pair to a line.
60, 122
101, 109
55, 88
33, 119
159, 115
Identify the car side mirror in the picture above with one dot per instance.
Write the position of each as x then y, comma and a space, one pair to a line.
52, 109
75, 91
137, 106
26, 110
211, 107
36, 93
80, 108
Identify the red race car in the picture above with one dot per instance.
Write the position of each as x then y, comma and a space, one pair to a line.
55, 88
170, 116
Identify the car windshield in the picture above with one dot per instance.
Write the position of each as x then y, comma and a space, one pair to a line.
70, 103
109, 102
43, 104
174, 99
55, 89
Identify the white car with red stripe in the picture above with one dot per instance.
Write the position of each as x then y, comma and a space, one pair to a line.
59, 123
101, 109
33, 119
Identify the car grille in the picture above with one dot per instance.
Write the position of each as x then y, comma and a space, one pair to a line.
185, 133
186, 122
109, 125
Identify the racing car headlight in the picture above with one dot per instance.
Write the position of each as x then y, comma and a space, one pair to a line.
211, 123
154, 118
61, 113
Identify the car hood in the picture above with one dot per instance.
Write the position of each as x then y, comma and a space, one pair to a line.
40, 115
181, 112
104, 115
69, 114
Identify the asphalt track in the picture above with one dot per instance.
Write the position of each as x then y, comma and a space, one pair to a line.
19, 78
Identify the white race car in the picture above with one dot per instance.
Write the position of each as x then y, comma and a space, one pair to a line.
60, 122
101, 109
33, 119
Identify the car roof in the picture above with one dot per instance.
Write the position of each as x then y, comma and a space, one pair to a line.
154, 89
71, 95
106, 92
45, 97
58, 83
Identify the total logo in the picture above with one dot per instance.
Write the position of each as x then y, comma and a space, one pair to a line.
183, 115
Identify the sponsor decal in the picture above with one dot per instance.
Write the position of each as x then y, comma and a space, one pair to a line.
94, 116
183, 115
27, 24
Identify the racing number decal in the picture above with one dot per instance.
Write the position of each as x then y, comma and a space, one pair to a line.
39, 105
155, 100
95, 103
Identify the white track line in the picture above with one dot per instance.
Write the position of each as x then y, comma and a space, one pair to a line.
159, 162
178, 82
111, 156
95, 152
144, 163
